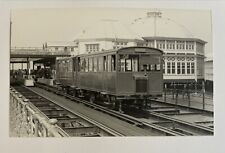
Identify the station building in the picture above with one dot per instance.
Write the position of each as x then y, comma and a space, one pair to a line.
70, 47
105, 35
183, 53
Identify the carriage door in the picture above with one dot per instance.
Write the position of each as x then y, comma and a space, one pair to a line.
155, 74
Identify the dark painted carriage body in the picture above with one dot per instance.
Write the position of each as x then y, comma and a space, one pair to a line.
132, 72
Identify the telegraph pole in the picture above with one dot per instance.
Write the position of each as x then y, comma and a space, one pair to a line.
155, 14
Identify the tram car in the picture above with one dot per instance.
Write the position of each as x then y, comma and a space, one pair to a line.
130, 75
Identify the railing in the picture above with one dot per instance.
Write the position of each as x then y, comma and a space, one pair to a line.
188, 97
27, 121
26, 48
37, 51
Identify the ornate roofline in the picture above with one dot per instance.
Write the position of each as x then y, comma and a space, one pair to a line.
174, 38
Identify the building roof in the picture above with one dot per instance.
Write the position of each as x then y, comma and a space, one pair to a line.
174, 38
154, 24
107, 29
61, 44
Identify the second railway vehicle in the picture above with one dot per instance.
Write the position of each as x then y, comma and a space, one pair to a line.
125, 76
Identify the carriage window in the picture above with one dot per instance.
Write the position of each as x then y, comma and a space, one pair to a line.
70, 65
74, 64
113, 62
122, 65
145, 67
109, 63
100, 64
95, 64
152, 67
135, 64
86, 65
82, 64
90, 64
128, 65
79, 64
157, 67
105, 63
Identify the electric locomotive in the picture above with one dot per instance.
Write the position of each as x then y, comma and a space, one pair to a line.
125, 76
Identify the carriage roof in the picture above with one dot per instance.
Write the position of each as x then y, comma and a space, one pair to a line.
125, 50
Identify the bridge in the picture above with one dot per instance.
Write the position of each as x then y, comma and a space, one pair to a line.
34, 55
34, 52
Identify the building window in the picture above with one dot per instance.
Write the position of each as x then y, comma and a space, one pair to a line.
183, 68
188, 68
163, 68
72, 49
92, 47
56, 48
170, 44
173, 67
189, 45
151, 43
192, 68
178, 68
160, 44
119, 44
168, 67
180, 45
65, 48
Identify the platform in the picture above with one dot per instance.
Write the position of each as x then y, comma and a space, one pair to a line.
196, 100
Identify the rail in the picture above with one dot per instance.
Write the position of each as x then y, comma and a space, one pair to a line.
117, 114
189, 127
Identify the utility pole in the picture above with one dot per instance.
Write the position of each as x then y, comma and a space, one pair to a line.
155, 14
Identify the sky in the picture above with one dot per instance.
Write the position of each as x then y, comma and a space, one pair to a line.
33, 27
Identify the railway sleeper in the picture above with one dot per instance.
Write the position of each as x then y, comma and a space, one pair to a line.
82, 131
188, 133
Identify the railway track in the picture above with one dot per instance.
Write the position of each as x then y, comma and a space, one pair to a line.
161, 123
74, 124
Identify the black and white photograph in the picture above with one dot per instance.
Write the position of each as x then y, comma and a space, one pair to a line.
100, 72
112, 77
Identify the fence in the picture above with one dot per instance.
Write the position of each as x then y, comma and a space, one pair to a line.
188, 97
27, 121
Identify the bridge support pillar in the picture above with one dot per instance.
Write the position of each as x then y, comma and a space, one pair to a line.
29, 65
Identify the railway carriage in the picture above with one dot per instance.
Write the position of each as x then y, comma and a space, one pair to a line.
128, 75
